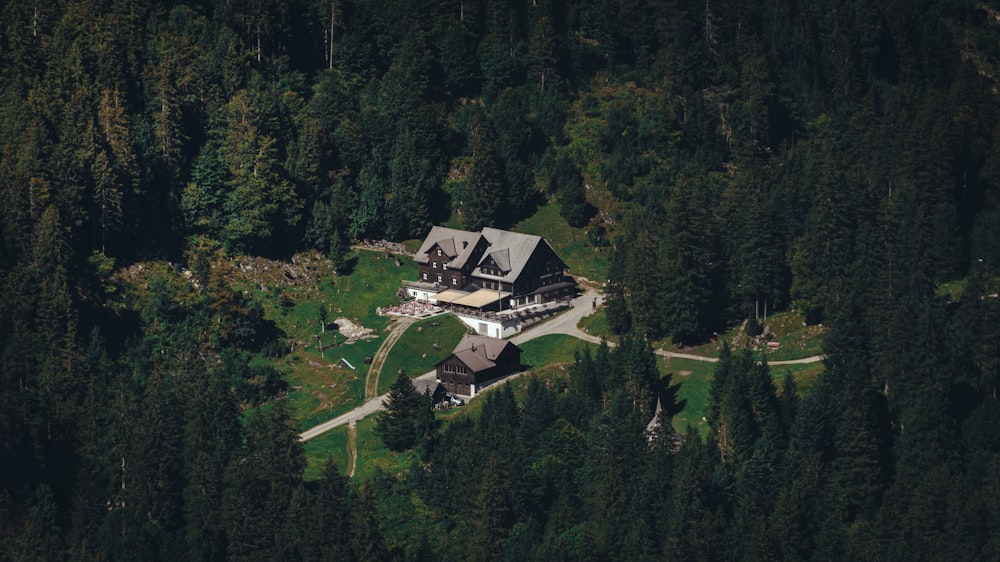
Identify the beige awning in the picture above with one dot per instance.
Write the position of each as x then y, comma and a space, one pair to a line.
450, 296
481, 298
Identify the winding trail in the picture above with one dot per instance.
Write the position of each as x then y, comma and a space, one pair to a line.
375, 369
352, 448
803, 361
564, 323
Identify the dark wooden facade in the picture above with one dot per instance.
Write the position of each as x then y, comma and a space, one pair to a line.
477, 361
542, 269
448, 268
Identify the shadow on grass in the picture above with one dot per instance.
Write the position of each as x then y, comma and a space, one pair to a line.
348, 266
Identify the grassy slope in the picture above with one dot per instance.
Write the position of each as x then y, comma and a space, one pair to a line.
597, 324
372, 456
570, 243
331, 446
415, 352
797, 340
323, 387
552, 350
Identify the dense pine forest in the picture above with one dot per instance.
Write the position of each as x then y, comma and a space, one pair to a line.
733, 158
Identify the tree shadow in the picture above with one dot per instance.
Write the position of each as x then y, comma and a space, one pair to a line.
348, 266
668, 396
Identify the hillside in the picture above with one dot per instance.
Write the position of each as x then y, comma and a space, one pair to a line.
184, 183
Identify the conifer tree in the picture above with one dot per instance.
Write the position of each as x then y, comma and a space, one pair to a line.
484, 188
488, 520
408, 419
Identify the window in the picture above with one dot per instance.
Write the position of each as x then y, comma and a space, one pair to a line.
439, 251
458, 369
439, 277
434, 264
454, 281
425, 276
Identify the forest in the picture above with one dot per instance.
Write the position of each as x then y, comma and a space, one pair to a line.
730, 158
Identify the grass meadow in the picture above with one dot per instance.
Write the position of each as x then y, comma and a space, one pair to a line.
570, 243
415, 350
321, 385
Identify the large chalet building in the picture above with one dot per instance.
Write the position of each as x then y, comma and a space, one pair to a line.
476, 362
488, 270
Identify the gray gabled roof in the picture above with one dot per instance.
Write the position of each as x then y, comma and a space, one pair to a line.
456, 244
519, 249
480, 352
510, 250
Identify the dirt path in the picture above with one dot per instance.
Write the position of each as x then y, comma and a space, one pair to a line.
352, 448
361, 412
371, 381
803, 361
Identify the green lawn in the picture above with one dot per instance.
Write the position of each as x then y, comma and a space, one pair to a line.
570, 243
553, 349
695, 379
372, 282
332, 445
372, 455
321, 385
597, 325
952, 291
322, 389
415, 351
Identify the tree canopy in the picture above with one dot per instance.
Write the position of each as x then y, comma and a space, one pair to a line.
733, 158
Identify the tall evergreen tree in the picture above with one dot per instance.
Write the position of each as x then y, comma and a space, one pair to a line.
408, 420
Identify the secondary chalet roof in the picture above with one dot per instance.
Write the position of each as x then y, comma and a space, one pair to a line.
501, 258
456, 244
480, 353
511, 250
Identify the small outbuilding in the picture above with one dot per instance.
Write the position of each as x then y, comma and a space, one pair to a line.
476, 362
